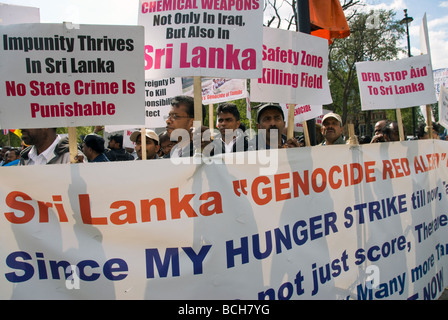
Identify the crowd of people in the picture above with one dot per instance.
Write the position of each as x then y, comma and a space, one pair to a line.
45, 146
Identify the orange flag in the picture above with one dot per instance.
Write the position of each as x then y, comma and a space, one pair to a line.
328, 20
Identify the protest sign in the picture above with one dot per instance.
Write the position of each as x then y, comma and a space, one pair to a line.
217, 90
368, 224
425, 48
443, 107
396, 84
64, 75
303, 113
294, 69
12, 14
440, 79
202, 38
158, 94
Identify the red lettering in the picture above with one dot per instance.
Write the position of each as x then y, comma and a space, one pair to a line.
279, 186
211, 207
86, 215
267, 192
13, 203
177, 206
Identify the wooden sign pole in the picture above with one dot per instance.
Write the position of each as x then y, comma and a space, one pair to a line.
72, 143
290, 123
143, 141
400, 124
429, 120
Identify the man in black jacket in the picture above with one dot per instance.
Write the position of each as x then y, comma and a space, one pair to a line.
116, 151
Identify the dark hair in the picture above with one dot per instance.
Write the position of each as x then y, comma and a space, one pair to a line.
164, 137
117, 138
16, 151
229, 108
189, 103
422, 129
95, 142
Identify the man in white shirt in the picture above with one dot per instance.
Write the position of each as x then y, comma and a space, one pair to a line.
45, 147
232, 138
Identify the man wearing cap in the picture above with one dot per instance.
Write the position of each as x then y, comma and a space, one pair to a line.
271, 121
332, 129
152, 144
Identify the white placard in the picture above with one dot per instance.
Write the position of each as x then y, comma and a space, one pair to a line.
294, 69
202, 38
64, 75
396, 84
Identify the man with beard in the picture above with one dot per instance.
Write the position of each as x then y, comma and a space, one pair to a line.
332, 129
271, 125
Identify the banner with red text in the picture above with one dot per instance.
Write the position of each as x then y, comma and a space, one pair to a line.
65, 75
294, 69
396, 84
202, 38
370, 223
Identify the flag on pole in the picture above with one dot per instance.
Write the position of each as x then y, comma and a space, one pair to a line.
17, 132
328, 20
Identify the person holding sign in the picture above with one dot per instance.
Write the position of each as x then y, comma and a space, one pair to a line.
332, 129
181, 116
45, 147
423, 131
271, 125
152, 144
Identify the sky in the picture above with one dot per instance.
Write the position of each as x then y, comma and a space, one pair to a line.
437, 22
125, 12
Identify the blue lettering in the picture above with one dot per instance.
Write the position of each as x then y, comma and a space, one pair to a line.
109, 269
153, 256
232, 252
16, 260
197, 259
11, 261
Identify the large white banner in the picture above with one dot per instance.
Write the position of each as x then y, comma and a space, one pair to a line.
202, 38
64, 75
396, 84
294, 69
370, 223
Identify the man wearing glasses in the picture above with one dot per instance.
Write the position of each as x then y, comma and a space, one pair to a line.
181, 116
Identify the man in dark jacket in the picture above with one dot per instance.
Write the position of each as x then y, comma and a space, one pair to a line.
116, 151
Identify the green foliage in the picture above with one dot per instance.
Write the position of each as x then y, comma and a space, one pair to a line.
373, 36
10, 139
